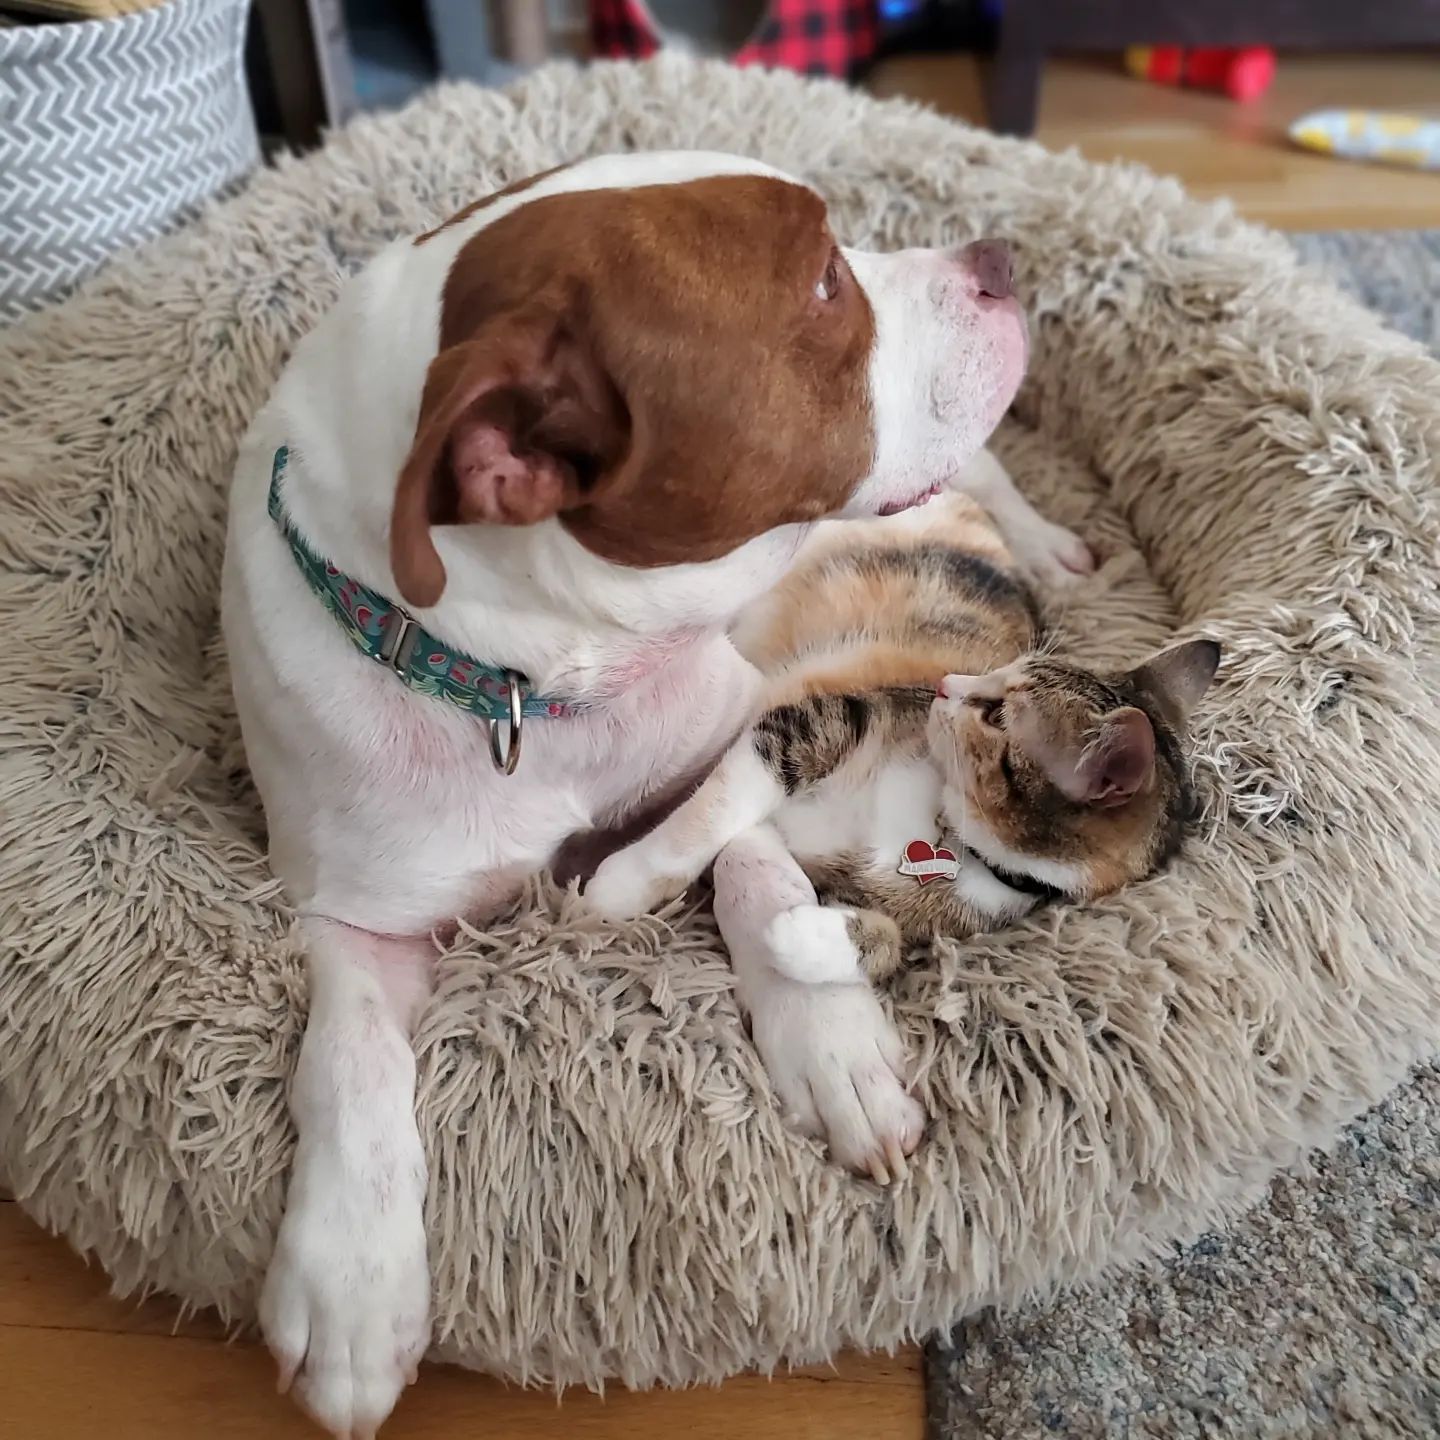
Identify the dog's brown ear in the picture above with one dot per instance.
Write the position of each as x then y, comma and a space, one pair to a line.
515, 426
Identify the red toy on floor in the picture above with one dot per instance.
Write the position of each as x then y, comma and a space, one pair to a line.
1242, 73
818, 37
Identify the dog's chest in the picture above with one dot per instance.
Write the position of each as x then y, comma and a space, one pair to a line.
402, 820
386, 808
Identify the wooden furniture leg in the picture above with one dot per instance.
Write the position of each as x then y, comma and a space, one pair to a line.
307, 59
522, 31
1013, 88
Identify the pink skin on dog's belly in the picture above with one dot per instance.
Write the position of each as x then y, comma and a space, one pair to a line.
648, 656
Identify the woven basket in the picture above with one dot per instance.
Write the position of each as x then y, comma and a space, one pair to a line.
111, 130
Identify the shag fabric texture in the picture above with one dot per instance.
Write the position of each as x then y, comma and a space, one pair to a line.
612, 1189
1315, 1314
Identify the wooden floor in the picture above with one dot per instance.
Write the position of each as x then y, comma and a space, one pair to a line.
74, 1363
1212, 144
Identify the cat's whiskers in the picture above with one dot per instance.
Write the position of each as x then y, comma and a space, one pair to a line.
1092, 747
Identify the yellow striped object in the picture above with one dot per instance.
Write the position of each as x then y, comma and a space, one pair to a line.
1386, 137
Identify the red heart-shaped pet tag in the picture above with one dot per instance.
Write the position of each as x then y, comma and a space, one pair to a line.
927, 862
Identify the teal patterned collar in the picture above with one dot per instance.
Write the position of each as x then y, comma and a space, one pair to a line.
387, 632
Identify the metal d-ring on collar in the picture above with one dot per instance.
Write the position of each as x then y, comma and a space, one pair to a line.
509, 758
394, 652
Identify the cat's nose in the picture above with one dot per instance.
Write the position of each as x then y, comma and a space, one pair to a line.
954, 687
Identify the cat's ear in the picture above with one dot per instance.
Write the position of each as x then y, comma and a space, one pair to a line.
1179, 676
1118, 761
1106, 766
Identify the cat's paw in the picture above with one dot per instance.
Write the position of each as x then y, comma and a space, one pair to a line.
878, 942
1052, 556
813, 944
834, 944
839, 1069
628, 884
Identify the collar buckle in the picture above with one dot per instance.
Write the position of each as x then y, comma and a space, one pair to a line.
399, 641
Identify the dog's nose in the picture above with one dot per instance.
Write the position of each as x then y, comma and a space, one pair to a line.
991, 265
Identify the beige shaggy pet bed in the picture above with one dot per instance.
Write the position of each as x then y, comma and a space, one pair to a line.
612, 1190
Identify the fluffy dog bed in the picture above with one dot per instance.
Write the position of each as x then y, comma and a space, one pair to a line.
612, 1191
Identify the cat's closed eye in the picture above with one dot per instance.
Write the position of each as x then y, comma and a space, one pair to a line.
992, 712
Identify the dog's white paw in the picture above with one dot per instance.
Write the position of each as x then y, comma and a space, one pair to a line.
839, 1069
627, 884
1052, 556
346, 1304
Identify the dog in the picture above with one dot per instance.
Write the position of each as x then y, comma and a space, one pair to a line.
485, 540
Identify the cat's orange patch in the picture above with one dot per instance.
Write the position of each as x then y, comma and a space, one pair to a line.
819, 603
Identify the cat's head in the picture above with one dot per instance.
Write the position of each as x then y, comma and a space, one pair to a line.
1071, 777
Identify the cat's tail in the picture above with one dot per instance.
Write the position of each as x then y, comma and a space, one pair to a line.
834, 945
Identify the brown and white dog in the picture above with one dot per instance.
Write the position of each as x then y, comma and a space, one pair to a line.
573, 431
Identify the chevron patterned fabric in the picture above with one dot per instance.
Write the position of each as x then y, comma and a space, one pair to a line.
110, 131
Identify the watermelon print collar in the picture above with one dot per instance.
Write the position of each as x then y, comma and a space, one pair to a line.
388, 633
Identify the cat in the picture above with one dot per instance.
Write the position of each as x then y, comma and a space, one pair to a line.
933, 770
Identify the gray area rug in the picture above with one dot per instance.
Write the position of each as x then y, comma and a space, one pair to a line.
1315, 1315
1396, 272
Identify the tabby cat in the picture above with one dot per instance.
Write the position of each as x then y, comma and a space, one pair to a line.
930, 767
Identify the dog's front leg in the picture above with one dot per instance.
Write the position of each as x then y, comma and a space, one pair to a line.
739, 792
831, 1053
1050, 554
346, 1303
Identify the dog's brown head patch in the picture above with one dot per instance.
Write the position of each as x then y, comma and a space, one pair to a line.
671, 369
